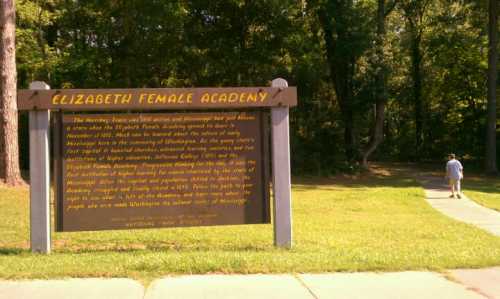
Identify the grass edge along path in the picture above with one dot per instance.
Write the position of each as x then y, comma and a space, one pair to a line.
375, 222
483, 190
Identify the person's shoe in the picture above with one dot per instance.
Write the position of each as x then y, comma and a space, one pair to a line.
458, 196
452, 196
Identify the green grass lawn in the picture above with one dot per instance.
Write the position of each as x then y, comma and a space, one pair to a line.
373, 222
483, 190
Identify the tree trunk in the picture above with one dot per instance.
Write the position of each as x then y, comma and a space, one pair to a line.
491, 158
378, 132
416, 59
341, 67
9, 151
348, 117
381, 85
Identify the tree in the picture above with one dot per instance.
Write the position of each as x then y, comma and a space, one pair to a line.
252, 37
491, 151
414, 12
383, 10
456, 43
9, 151
345, 41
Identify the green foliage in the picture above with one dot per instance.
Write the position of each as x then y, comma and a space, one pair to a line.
457, 96
120, 44
139, 43
36, 56
453, 66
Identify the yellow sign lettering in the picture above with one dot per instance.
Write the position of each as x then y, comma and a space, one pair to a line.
89, 100
151, 98
79, 99
252, 97
212, 98
263, 96
161, 99
242, 97
172, 98
233, 97
55, 99
99, 99
205, 98
126, 98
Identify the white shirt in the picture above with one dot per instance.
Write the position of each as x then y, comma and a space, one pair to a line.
454, 169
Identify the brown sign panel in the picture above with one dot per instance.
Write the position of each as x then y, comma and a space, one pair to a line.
155, 98
123, 171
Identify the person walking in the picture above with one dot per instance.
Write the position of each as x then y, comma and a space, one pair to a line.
454, 173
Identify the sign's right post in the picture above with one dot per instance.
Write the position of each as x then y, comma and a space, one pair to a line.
281, 172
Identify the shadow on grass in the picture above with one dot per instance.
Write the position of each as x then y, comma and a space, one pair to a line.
91, 249
13, 251
379, 175
23, 251
482, 184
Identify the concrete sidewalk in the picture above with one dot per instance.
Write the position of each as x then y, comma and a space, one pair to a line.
461, 285
464, 209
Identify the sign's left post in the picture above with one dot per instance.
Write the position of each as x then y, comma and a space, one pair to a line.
39, 121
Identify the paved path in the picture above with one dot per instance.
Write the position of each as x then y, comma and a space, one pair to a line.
482, 281
463, 209
302, 286
119, 288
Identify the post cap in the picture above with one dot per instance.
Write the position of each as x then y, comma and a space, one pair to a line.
279, 82
39, 85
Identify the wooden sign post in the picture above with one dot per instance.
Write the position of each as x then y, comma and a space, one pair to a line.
39, 176
159, 164
281, 173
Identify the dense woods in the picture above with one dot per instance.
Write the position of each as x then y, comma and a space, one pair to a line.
400, 80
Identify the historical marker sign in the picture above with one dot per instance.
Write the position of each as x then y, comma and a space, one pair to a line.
122, 171
124, 167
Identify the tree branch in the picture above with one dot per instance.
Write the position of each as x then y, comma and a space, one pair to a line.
390, 7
